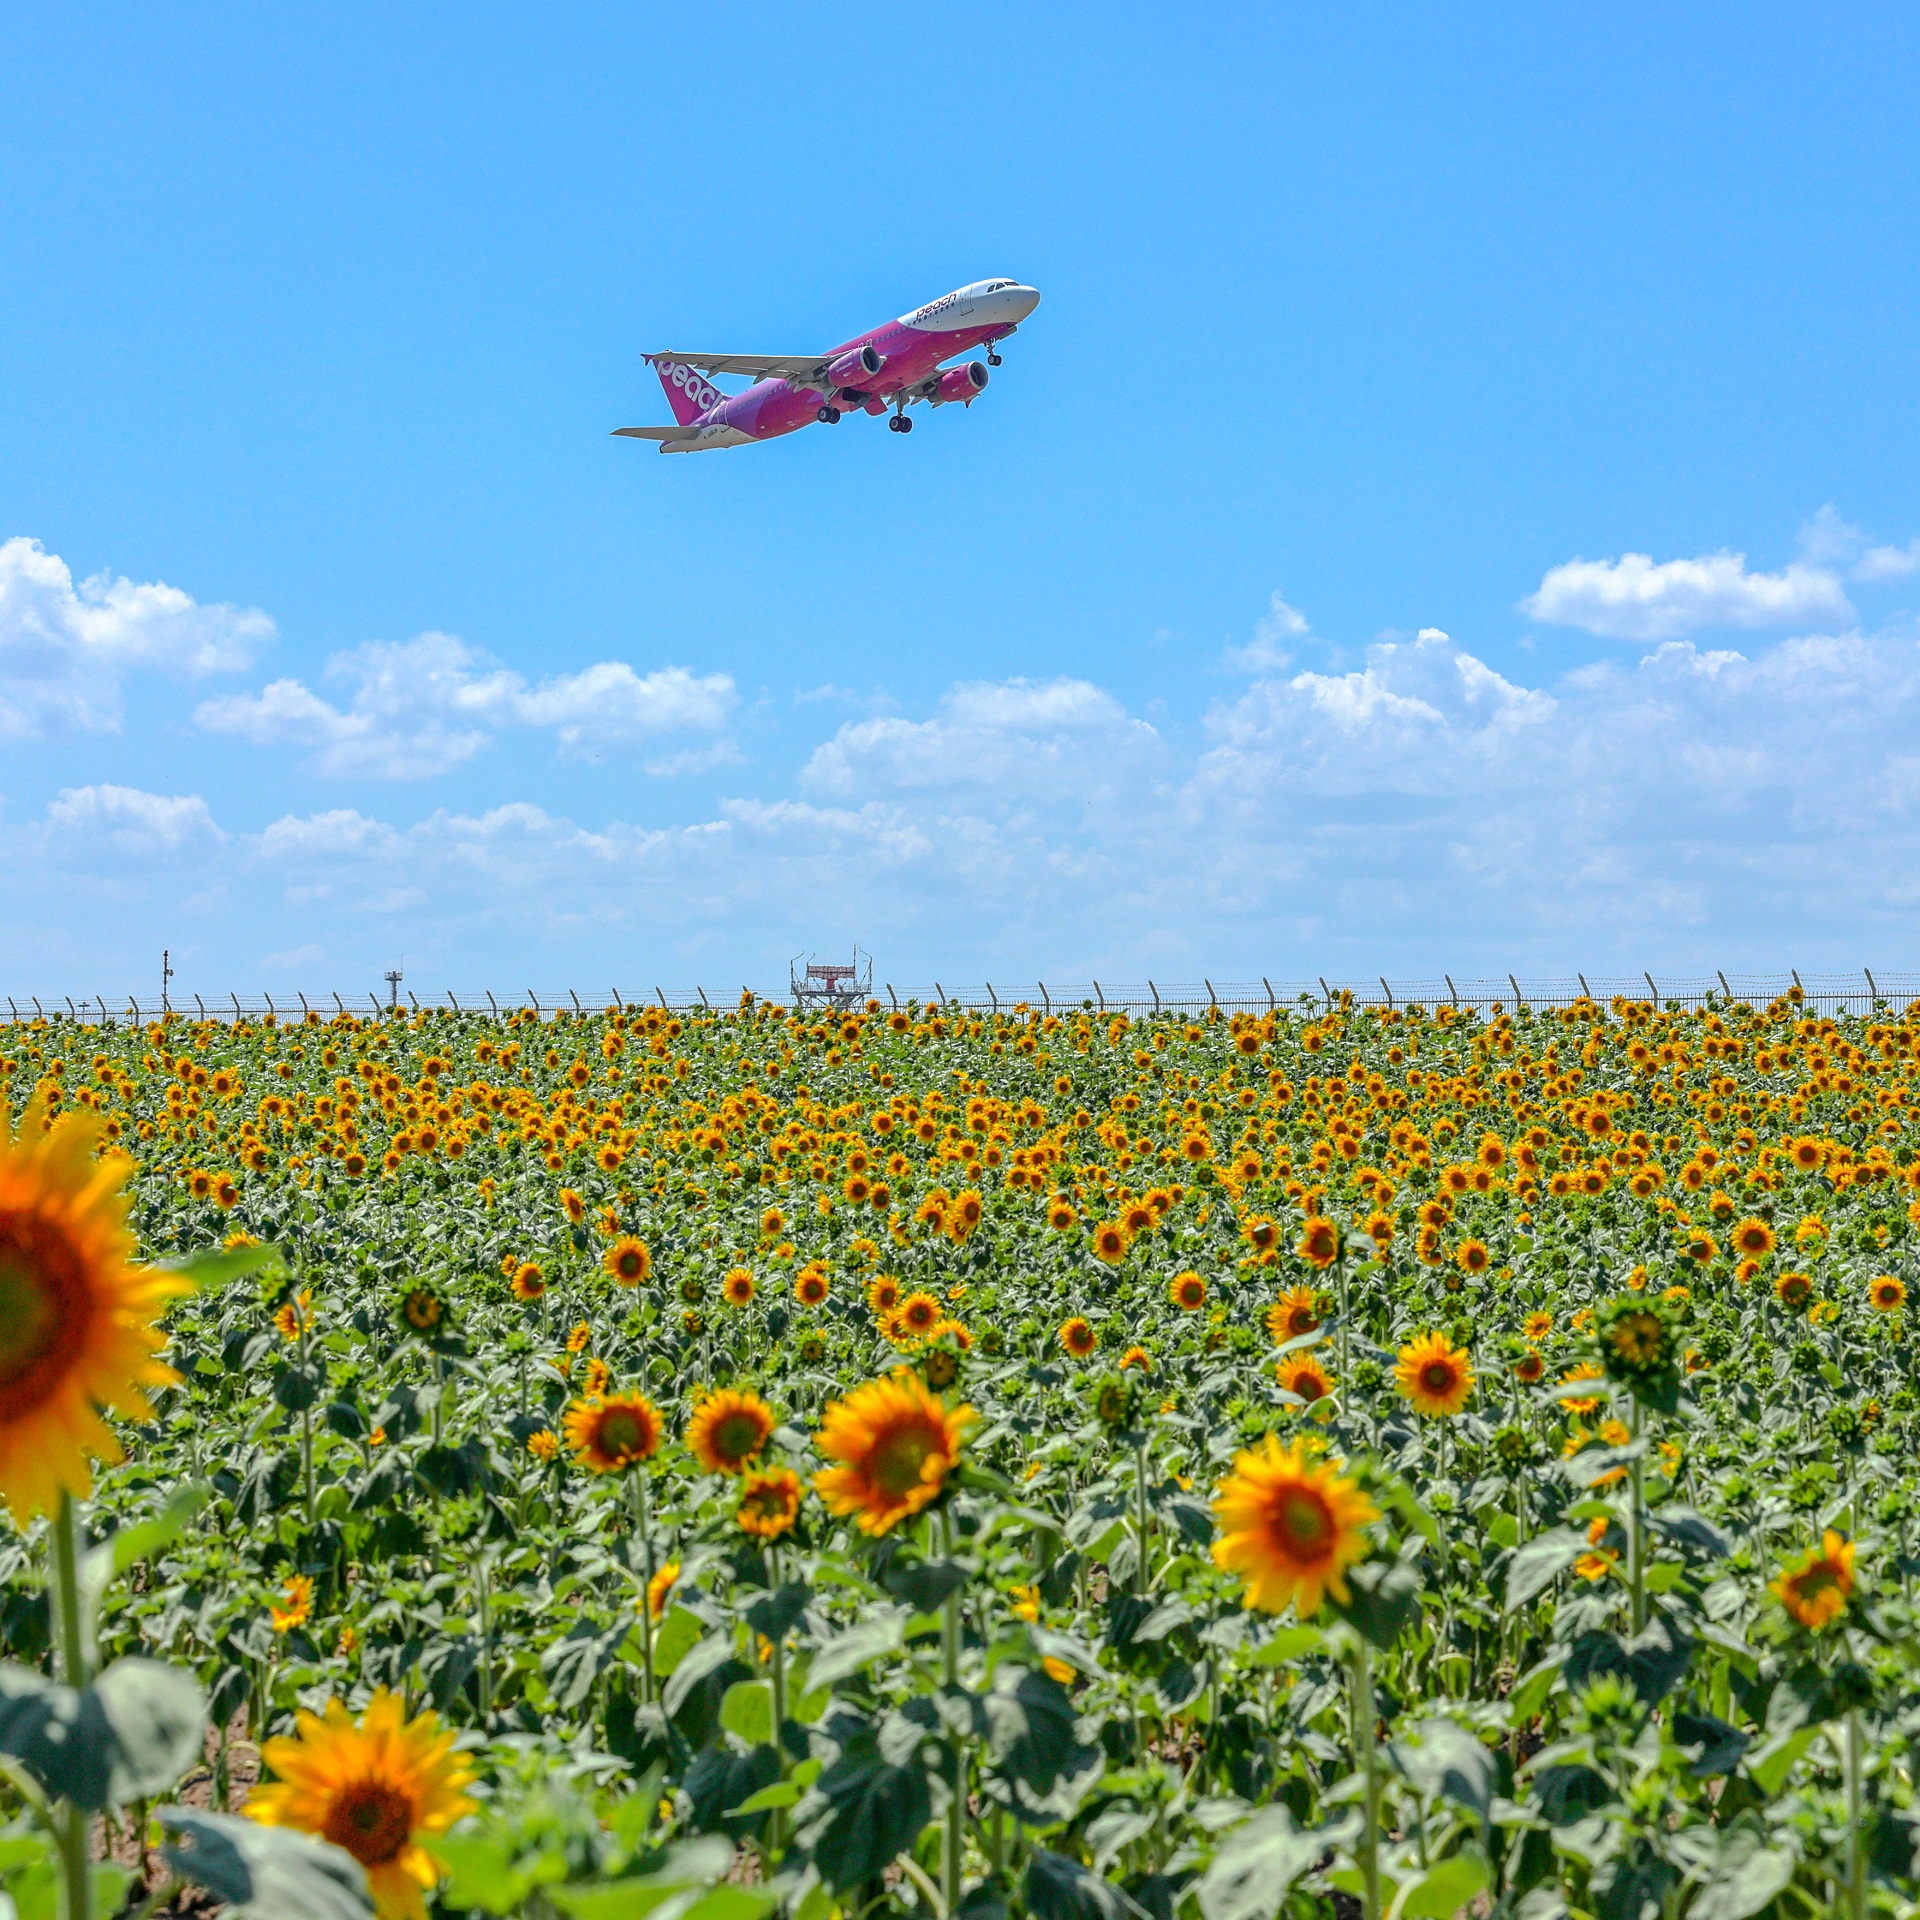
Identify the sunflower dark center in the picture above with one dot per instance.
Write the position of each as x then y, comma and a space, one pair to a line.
738, 1435
372, 1820
1303, 1523
899, 1461
1436, 1376
623, 1435
45, 1310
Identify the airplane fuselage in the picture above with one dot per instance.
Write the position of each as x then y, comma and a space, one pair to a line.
910, 350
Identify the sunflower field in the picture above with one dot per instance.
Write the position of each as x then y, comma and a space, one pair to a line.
1380, 1462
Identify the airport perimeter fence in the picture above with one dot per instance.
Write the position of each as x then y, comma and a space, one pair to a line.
1830, 993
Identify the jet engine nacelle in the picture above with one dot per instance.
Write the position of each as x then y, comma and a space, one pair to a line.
962, 383
856, 368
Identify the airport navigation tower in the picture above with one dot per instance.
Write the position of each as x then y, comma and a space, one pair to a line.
832, 987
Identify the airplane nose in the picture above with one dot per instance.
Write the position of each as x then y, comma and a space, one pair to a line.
1022, 301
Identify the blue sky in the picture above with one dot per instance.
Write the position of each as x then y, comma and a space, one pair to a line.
1355, 329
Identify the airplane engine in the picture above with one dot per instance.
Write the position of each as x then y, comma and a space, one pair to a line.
962, 383
855, 369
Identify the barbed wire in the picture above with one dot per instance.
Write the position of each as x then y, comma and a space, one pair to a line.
1828, 992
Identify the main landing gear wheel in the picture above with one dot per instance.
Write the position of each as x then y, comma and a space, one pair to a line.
899, 424
827, 416
993, 359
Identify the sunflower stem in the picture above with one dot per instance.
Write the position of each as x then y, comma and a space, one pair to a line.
1140, 1581
1856, 1837
643, 1520
957, 1785
1363, 1724
1636, 1523
777, 1825
71, 1822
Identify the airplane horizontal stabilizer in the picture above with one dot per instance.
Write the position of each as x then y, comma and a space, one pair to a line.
658, 433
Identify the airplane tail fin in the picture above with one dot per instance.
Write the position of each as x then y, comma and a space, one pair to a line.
689, 392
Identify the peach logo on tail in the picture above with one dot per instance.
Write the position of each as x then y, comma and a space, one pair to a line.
702, 392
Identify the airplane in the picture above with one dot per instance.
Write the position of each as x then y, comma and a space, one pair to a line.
895, 366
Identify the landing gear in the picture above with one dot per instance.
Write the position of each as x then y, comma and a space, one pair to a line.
899, 424
993, 359
828, 416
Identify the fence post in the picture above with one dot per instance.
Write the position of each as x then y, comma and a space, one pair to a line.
39, 1013
1155, 991
663, 1000
304, 1008
1387, 990
1652, 989
495, 1005
375, 998
617, 1001
71, 1015
11, 1008
1453, 992
1324, 994
341, 1004
940, 992
535, 1004
1796, 977
1212, 998
415, 998
701, 991
1722, 978
1871, 988
1515, 985
894, 997
134, 1007
1586, 992
453, 1003
1045, 999
201, 1004
1101, 997
1268, 984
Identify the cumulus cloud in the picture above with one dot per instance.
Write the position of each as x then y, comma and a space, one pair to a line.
1023, 735
1632, 598
1266, 652
424, 706
1888, 563
65, 648
129, 822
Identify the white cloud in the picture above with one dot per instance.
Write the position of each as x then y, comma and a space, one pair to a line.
131, 822
1267, 651
1888, 563
425, 706
1632, 598
64, 649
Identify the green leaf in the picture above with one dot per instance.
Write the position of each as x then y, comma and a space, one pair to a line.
1058, 1888
483, 1873
1256, 1865
265, 1873
212, 1270
1443, 1890
1290, 1643
1535, 1566
1383, 1600
747, 1710
1440, 1758
1745, 1877
863, 1812
783, 1793
677, 1635
130, 1735
1770, 1766
1031, 1724
846, 1653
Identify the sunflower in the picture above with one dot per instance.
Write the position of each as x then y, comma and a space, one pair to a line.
883, 1293
1886, 1294
76, 1321
1301, 1375
1793, 1290
1584, 1371
612, 1434
737, 1288
1529, 1367
595, 1379
1188, 1292
1292, 1525
572, 1205
896, 1442
627, 1261
298, 1610
544, 1446
372, 1789
1077, 1337
728, 1428
1294, 1313
422, 1308
1110, 1241
1816, 1591
771, 1222
293, 1315
529, 1283
1753, 1238
1435, 1376
920, 1313
1136, 1357
769, 1503
1138, 1218
660, 1588
1471, 1256
810, 1286
1536, 1326
1320, 1242
1060, 1215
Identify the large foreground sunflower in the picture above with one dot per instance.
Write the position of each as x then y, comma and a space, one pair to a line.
372, 1789
896, 1443
728, 1428
1292, 1525
76, 1320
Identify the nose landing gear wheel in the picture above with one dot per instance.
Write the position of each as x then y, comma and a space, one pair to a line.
827, 416
993, 359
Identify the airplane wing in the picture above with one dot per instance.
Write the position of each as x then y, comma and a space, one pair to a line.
659, 433
806, 368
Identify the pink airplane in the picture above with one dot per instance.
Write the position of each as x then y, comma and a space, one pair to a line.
893, 366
